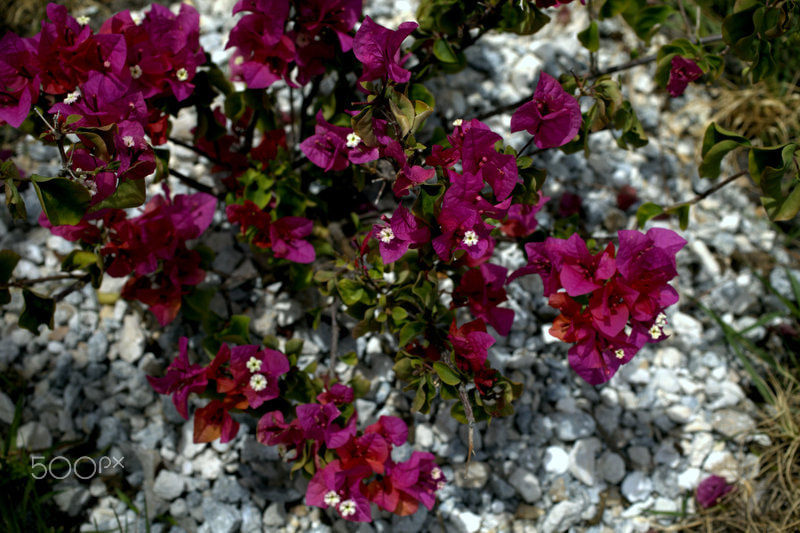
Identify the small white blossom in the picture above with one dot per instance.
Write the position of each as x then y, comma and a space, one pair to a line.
72, 97
470, 238
661, 320
83, 20
254, 364
436, 473
182, 74
258, 382
347, 508
239, 60
655, 331
136, 18
457, 122
136, 72
128, 140
386, 235
353, 140
331, 498
619, 354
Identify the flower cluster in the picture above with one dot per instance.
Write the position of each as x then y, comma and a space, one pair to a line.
611, 305
285, 236
363, 470
267, 52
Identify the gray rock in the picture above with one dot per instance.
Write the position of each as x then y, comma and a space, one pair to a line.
288, 312
251, 519
562, 516
7, 408
71, 498
228, 489
688, 329
220, 518
733, 424
168, 485
208, 464
636, 487
423, 435
572, 426
97, 347
472, 476
501, 488
556, 460
34, 436
640, 457
179, 509
611, 467
465, 521
582, 459
274, 515
410, 524
527, 485
131, 341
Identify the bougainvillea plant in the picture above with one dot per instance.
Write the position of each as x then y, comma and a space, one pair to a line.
358, 193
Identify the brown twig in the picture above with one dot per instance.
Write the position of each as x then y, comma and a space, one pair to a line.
198, 151
707, 193
191, 182
334, 338
22, 283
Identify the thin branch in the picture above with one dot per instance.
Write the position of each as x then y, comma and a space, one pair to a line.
198, 151
193, 183
707, 193
334, 339
78, 284
610, 70
22, 283
687, 22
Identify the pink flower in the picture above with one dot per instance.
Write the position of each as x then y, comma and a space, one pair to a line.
683, 72
521, 219
553, 117
334, 486
334, 147
318, 423
287, 235
402, 231
482, 290
711, 490
258, 372
181, 379
407, 484
19, 75
378, 49
478, 155
471, 344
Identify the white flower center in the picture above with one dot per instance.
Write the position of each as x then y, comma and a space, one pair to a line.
258, 382
128, 140
353, 140
436, 473
254, 364
347, 508
182, 75
457, 122
331, 498
655, 331
619, 354
83, 21
136, 72
470, 238
386, 235
136, 18
239, 60
72, 97
661, 320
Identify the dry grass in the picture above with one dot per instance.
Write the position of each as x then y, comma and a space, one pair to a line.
771, 501
764, 112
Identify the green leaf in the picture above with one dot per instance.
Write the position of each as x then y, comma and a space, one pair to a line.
783, 208
99, 139
8, 261
350, 358
80, 260
444, 52
399, 313
350, 290
409, 332
647, 211
237, 331
362, 126
458, 413
633, 135
403, 111
767, 166
611, 8
717, 142
129, 193
418, 91
14, 202
522, 18
445, 373
360, 385
294, 347
38, 310
63, 201
590, 37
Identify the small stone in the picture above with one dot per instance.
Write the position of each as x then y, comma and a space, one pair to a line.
688, 329
34, 436
733, 424
466, 521
582, 459
640, 457
228, 489
636, 487
221, 518
556, 460
168, 485
251, 519
132, 340
572, 426
71, 498
611, 467
288, 312
680, 414
702, 443
274, 515
7, 408
423, 435
723, 464
562, 516
689, 478
527, 485
179, 509
472, 476
208, 464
